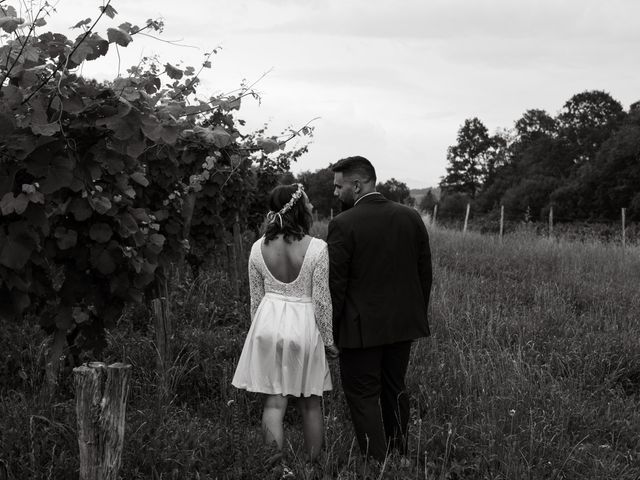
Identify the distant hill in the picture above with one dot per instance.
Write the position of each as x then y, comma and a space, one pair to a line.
418, 193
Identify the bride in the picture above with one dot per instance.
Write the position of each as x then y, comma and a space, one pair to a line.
286, 349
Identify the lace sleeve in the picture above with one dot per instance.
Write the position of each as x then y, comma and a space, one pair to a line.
322, 297
256, 287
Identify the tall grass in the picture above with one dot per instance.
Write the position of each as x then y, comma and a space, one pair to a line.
532, 372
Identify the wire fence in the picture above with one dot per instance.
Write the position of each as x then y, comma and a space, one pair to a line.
620, 231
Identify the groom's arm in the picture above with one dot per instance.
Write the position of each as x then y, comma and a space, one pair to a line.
424, 260
339, 260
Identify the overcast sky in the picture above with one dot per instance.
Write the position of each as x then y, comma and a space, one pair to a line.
390, 80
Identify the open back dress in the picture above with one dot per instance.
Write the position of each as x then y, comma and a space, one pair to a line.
290, 326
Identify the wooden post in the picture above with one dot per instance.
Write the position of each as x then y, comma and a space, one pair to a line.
435, 214
551, 221
233, 268
624, 227
52, 367
101, 399
163, 336
466, 218
501, 221
239, 247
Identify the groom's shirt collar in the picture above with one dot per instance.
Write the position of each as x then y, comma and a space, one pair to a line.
370, 193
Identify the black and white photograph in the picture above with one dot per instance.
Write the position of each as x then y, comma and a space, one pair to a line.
319, 240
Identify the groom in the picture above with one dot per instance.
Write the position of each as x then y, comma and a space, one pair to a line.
380, 280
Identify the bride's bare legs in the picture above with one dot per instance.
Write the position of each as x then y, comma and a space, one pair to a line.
312, 423
272, 419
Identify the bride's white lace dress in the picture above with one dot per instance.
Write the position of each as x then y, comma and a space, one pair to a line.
290, 325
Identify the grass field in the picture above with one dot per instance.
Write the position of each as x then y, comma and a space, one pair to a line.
532, 372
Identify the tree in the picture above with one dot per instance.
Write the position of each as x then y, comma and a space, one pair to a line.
397, 191
586, 121
319, 188
534, 124
470, 159
428, 201
610, 181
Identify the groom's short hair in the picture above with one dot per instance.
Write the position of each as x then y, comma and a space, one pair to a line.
355, 165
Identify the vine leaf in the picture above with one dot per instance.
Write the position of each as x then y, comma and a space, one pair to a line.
11, 96
220, 137
173, 72
81, 23
139, 178
119, 36
268, 145
100, 204
79, 315
100, 232
45, 129
10, 24
109, 11
66, 239
156, 242
7, 204
80, 209
128, 225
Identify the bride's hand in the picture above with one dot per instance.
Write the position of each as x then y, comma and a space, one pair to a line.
332, 352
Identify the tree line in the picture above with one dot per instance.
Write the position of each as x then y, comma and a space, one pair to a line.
584, 162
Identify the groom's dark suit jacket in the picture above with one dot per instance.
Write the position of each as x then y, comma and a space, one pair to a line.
380, 274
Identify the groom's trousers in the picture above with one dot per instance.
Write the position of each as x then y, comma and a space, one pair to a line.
373, 380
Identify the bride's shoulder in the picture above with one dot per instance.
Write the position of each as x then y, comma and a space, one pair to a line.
318, 244
257, 245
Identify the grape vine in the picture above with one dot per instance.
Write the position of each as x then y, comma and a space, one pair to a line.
104, 184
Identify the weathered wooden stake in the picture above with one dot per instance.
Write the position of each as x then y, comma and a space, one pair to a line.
435, 214
239, 247
550, 221
624, 227
501, 221
164, 336
52, 368
233, 268
466, 218
101, 399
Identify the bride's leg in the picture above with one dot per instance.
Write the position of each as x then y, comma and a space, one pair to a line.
312, 424
272, 419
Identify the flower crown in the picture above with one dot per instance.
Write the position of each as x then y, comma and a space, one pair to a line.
273, 216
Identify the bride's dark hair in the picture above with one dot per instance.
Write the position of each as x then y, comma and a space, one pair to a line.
293, 224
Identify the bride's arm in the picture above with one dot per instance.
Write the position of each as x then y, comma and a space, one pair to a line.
256, 287
322, 297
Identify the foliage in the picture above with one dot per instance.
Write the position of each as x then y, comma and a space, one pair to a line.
475, 155
99, 181
428, 201
396, 191
319, 188
582, 162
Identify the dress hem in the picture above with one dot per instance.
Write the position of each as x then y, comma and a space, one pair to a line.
273, 392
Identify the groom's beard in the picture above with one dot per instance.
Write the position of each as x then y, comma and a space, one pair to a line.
344, 206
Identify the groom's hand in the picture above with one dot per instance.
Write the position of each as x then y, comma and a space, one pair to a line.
332, 352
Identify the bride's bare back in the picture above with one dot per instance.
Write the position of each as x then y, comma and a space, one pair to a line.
284, 260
